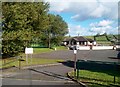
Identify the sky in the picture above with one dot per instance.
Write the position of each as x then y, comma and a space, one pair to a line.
87, 17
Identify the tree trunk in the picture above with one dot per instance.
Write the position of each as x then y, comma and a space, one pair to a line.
49, 45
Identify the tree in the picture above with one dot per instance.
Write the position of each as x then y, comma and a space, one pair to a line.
59, 29
24, 22
55, 31
21, 23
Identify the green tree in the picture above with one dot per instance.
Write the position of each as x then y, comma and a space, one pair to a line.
59, 29
21, 23
56, 30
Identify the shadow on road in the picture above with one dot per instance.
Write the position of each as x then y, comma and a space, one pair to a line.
110, 68
50, 74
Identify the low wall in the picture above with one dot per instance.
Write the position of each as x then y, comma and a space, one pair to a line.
84, 48
102, 47
96, 47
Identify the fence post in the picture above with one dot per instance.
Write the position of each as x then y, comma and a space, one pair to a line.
77, 73
114, 71
77, 69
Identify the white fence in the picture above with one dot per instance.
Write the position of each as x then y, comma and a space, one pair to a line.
102, 47
84, 47
96, 47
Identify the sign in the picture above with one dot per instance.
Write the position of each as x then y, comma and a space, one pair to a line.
28, 50
94, 43
65, 43
77, 43
75, 51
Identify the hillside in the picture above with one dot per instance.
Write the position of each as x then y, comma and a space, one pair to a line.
103, 40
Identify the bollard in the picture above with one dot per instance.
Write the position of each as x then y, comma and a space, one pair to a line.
77, 73
19, 60
55, 49
19, 64
74, 65
77, 66
90, 47
115, 71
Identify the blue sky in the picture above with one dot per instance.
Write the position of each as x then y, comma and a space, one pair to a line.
87, 18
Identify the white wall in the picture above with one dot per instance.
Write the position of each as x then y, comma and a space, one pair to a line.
102, 47
84, 48
95, 47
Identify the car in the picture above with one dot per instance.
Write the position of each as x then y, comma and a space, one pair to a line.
74, 47
77, 47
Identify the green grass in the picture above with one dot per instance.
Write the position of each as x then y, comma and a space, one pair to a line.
44, 50
97, 79
34, 61
0, 63
41, 50
38, 51
91, 37
102, 39
14, 62
61, 48
104, 42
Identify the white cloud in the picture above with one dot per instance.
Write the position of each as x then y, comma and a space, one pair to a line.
58, 5
104, 26
105, 23
102, 23
101, 30
99, 11
75, 16
84, 10
74, 30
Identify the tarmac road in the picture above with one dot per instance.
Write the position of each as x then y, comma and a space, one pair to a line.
94, 55
56, 75
50, 75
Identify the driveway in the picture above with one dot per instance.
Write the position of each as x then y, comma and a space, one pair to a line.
94, 55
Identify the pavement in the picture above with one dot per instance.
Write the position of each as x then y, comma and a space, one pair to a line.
54, 74
50, 75
7, 81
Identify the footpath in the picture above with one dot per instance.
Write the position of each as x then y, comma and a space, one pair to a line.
50, 74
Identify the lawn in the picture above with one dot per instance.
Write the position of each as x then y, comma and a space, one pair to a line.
44, 50
34, 61
4, 63
104, 43
61, 48
102, 39
98, 79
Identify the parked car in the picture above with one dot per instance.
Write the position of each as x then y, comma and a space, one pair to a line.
74, 47
77, 47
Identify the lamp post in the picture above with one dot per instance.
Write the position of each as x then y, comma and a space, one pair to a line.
75, 52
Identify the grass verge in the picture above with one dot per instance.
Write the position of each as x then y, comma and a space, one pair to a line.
34, 61
61, 48
41, 50
4, 63
98, 79
44, 50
